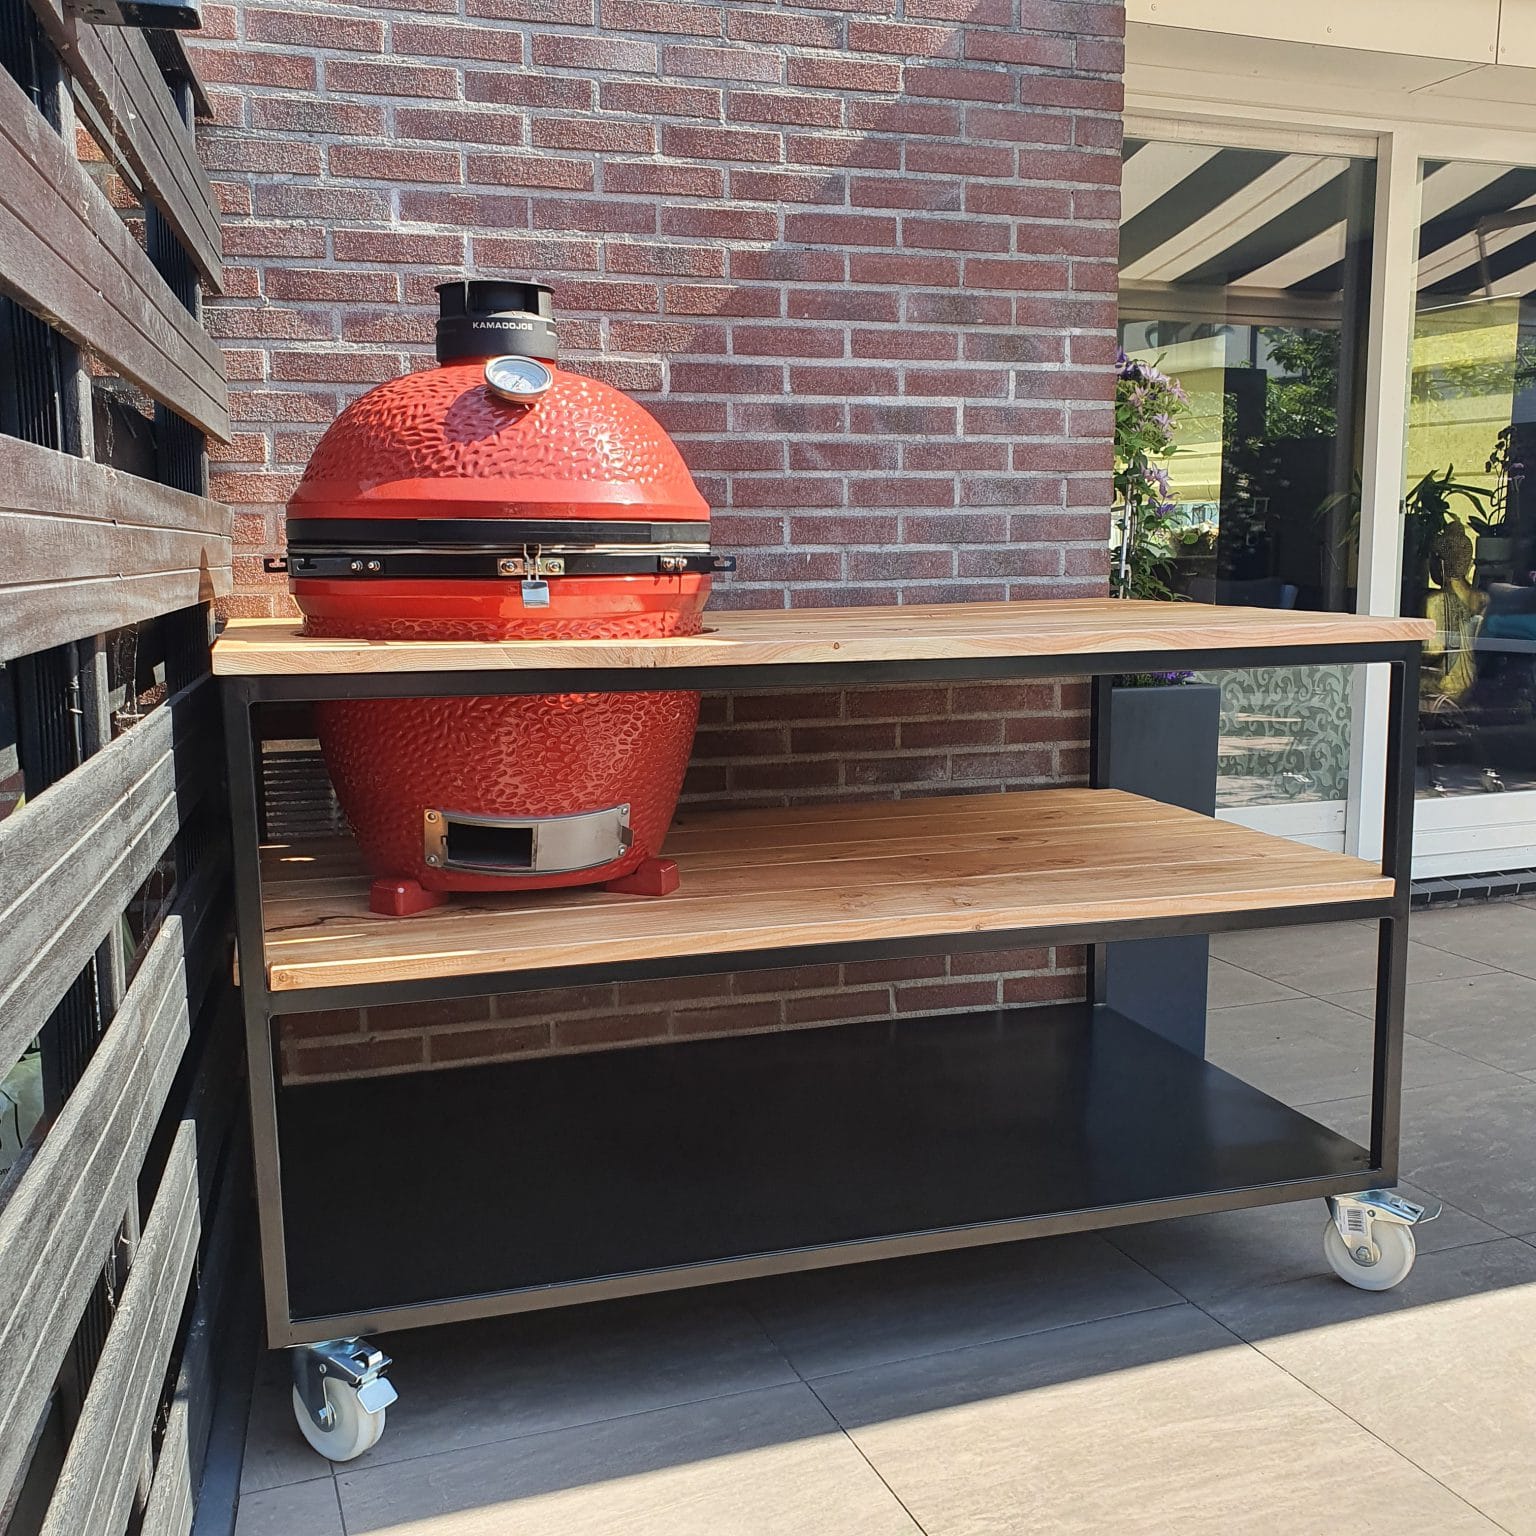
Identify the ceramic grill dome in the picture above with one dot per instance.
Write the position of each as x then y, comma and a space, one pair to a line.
499, 497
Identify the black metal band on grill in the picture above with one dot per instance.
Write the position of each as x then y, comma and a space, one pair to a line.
504, 534
362, 562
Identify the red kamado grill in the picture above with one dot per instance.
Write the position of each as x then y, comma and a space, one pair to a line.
499, 497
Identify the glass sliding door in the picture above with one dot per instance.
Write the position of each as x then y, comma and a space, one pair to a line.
1469, 495
1245, 274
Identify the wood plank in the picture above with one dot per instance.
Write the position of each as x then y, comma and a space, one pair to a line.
71, 859
116, 68
57, 1226
68, 256
86, 548
95, 1488
1098, 627
173, 1492
763, 881
40, 616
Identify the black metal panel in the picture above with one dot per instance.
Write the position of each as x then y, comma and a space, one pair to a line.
570, 1168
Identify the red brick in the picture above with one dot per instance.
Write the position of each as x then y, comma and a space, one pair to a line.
273, 240
840, 229
720, 299
954, 84
594, 216
960, 159
844, 74
536, 253
306, 115
260, 155
929, 271
392, 164
779, 27
1019, 127
840, 149
393, 246
305, 29
788, 187
597, 53
493, 1044
392, 79
841, 304
664, 180
520, 89
661, 100
314, 286
904, 343
904, 192
531, 171
729, 223
912, 119
455, 125
784, 107
238, 66
594, 134
688, 142
367, 1054
657, 16
909, 42
733, 1017
447, 40
723, 63
568, 13
789, 266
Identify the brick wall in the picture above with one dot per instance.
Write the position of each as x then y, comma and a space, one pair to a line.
859, 258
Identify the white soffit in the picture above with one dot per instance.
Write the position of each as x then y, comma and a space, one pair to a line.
1463, 30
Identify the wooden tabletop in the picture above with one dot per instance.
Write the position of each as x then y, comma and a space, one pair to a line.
800, 636
762, 880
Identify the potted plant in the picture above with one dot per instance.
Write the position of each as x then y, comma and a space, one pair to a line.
1494, 551
1427, 514
1164, 727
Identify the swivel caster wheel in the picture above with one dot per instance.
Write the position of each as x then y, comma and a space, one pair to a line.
340, 1396
1369, 1238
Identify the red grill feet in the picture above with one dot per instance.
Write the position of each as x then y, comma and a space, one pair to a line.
655, 877
402, 898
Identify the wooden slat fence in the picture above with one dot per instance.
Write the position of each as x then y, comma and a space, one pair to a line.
124, 1215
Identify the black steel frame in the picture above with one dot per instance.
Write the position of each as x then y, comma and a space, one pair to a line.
244, 696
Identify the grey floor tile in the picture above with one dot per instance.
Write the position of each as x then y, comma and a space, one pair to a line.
1471, 1143
1498, 933
836, 1320
1159, 1423
1324, 961
769, 1463
1307, 1051
275, 1452
1441, 1368
301, 1509
1230, 985
551, 1370
1490, 1017
1208, 1257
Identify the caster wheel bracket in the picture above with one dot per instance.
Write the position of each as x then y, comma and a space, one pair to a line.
1355, 1218
352, 1361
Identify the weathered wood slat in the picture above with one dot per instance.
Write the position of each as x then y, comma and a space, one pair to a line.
58, 1224
65, 253
95, 1488
70, 860
84, 548
117, 69
44, 482
183, 1448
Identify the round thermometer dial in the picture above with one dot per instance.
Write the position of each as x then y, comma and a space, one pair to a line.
523, 379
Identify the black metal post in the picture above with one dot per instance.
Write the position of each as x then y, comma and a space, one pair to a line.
1392, 940
1100, 699
255, 1000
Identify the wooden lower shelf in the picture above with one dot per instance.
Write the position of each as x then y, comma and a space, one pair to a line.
759, 881
685, 1163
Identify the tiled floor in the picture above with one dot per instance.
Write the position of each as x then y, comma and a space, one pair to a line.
1203, 1376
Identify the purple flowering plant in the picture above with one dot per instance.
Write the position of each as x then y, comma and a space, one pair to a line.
1147, 407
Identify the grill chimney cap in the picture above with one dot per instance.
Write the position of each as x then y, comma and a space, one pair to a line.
486, 317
